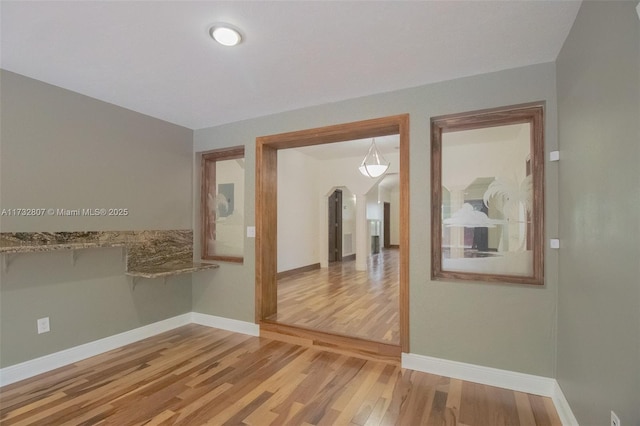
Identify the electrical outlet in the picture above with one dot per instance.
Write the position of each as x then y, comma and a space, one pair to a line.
43, 325
615, 420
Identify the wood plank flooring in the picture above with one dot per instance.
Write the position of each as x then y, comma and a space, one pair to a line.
196, 375
344, 301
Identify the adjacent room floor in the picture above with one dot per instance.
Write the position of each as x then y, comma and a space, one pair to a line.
197, 375
341, 300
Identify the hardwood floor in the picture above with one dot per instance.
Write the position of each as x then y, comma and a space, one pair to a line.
197, 375
344, 301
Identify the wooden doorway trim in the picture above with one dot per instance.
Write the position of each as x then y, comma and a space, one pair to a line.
267, 147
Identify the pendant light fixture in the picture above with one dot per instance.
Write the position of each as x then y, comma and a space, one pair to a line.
374, 164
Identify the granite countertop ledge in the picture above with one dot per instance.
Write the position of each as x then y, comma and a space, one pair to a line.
169, 269
150, 254
35, 247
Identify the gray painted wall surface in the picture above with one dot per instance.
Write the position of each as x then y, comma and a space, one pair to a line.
497, 325
599, 294
63, 150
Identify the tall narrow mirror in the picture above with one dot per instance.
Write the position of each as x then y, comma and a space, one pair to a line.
487, 195
222, 204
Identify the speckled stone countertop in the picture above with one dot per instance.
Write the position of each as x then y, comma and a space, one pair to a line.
154, 254
150, 254
33, 242
169, 269
7, 246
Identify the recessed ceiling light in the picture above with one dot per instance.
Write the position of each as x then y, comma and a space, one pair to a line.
225, 34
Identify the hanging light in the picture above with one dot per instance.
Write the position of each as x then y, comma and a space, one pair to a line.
373, 164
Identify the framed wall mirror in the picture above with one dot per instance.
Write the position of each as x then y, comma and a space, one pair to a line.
222, 205
487, 194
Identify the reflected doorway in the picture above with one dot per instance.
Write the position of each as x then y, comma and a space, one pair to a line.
267, 148
335, 227
386, 227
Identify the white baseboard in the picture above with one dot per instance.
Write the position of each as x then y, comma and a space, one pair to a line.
46, 363
228, 324
563, 408
521, 382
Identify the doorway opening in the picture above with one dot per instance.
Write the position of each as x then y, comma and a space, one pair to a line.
335, 227
386, 228
266, 223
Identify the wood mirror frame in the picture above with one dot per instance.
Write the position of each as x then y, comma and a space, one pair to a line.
529, 211
208, 186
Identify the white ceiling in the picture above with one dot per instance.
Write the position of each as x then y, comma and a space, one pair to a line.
157, 58
358, 148
353, 148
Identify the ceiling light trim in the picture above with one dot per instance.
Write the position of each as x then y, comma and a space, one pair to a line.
225, 34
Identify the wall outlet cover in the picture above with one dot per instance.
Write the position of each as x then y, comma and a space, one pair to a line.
43, 325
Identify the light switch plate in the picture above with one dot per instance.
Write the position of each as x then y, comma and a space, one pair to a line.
554, 243
554, 155
251, 231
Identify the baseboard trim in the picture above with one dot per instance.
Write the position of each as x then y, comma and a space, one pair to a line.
44, 364
228, 324
24, 370
521, 382
562, 407
299, 270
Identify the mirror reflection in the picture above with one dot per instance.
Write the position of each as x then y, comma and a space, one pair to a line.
487, 196
222, 204
225, 204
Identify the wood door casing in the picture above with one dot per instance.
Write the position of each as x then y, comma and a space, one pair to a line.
266, 204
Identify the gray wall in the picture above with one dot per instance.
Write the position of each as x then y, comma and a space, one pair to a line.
63, 150
598, 85
497, 325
